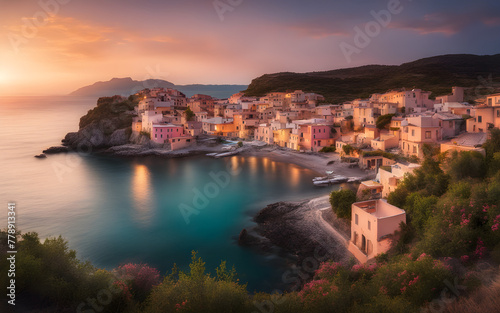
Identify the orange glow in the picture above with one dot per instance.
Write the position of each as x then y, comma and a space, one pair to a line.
295, 176
141, 195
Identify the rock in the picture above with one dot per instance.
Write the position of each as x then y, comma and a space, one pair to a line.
55, 150
41, 156
118, 138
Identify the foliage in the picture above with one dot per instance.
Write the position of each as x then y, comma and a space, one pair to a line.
240, 144
197, 291
145, 134
189, 114
49, 273
466, 164
111, 109
328, 149
341, 201
348, 149
437, 74
139, 279
383, 120
419, 208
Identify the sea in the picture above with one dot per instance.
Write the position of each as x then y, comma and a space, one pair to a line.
149, 210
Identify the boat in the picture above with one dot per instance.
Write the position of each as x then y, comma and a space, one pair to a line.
331, 181
221, 155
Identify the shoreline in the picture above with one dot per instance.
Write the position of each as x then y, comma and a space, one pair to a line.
314, 161
296, 232
303, 234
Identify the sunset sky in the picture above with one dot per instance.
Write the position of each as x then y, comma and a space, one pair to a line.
57, 49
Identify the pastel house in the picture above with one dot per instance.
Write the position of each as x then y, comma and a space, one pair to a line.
161, 133
372, 223
369, 189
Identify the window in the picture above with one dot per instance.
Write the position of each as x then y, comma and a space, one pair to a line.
427, 135
480, 119
413, 132
369, 225
498, 113
414, 149
356, 219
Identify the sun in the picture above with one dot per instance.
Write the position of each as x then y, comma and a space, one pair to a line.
3, 77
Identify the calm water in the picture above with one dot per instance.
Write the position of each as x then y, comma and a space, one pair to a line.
114, 211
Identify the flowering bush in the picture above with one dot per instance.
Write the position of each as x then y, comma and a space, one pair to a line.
328, 270
417, 280
139, 279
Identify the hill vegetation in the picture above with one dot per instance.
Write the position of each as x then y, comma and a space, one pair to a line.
449, 247
437, 74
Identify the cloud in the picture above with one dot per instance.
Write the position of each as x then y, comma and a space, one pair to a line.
449, 23
319, 28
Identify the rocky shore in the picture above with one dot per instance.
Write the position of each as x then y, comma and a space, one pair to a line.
303, 229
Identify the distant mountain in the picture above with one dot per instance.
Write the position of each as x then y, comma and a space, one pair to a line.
437, 74
127, 86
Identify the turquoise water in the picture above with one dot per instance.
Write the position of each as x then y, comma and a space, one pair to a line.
117, 210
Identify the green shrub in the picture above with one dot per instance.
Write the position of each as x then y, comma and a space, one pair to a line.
197, 291
341, 202
328, 149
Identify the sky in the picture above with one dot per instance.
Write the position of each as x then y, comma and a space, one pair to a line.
50, 47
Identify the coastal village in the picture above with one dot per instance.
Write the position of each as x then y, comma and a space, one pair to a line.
364, 132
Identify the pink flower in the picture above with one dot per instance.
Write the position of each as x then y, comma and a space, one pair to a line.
423, 255
413, 281
402, 273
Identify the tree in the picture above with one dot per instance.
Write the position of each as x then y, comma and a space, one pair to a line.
492, 145
341, 202
383, 121
348, 149
189, 114
467, 164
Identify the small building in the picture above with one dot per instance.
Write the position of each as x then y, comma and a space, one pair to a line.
369, 190
372, 161
177, 143
372, 223
390, 177
161, 133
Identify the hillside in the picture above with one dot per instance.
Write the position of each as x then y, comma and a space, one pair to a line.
437, 74
127, 86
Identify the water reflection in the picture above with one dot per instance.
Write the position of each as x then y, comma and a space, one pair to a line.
294, 176
142, 197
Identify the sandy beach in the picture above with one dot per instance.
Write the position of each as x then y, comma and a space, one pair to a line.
318, 162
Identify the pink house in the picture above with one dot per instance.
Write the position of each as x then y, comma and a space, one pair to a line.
161, 133
371, 224
314, 137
